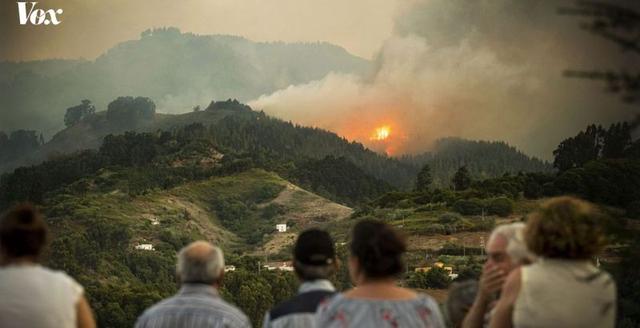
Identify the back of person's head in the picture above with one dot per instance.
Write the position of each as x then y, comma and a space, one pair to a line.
517, 249
378, 249
200, 262
23, 233
459, 301
566, 228
314, 255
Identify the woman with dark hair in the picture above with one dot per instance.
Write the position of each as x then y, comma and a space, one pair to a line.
30, 294
376, 301
563, 288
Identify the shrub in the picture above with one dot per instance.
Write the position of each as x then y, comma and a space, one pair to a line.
501, 206
468, 206
434, 278
435, 228
449, 218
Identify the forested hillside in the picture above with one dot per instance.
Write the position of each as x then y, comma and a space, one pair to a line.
236, 126
177, 70
163, 189
483, 159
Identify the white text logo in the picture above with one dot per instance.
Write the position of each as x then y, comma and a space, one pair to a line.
37, 16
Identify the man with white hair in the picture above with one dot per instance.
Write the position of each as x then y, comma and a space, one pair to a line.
506, 251
200, 269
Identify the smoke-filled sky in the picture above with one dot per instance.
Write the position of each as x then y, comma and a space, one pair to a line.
485, 69
90, 27
489, 69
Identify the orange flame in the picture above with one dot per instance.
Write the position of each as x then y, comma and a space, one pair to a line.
381, 133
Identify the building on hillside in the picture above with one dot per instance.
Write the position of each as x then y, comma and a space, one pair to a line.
440, 265
228, 268
145, 247
281, 266
282, 227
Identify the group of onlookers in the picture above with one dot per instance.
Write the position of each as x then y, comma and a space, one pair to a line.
537, 274
541, 274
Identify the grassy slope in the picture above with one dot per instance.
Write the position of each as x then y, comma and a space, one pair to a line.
190, 209
96, 228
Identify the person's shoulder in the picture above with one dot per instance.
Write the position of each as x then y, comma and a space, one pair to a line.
424, 300
608, 283
59, 277
154, 310
335, 301
232, 314
302, 303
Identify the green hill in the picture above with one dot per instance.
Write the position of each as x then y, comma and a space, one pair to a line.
96, 228
233, 126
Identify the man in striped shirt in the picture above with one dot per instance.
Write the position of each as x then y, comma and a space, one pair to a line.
197, 304
314, 262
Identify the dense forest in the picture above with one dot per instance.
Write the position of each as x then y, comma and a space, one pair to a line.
17, 143
234, 125
484, 159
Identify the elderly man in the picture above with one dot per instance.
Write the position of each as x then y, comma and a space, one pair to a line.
314, 262
200, 269
506, 251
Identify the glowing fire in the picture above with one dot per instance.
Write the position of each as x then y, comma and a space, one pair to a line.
381, 133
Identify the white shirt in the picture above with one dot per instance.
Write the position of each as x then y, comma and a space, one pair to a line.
564, 293
34, 296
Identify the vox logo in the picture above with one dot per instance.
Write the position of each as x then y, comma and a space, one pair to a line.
29, 14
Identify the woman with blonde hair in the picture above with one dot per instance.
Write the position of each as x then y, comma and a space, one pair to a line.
563, 288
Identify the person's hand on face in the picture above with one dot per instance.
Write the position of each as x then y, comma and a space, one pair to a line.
491, 281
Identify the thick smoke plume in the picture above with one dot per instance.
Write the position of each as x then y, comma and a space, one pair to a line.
489, 69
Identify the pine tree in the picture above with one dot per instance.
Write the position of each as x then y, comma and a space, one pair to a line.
462, 179
424, 178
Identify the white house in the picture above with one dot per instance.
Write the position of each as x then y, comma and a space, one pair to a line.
282, 227
228, 268
282, 266
145, 247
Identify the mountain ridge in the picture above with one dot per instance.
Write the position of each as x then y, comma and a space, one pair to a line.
178, 70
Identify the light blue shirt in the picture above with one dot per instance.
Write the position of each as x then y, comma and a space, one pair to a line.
195, 305
341, 312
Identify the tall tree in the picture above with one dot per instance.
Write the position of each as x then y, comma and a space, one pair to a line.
129, 111
424, 178
617, 140
76, 113
462, 179
576, 151
593, 143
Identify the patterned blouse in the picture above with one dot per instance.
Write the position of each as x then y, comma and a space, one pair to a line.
341, 312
